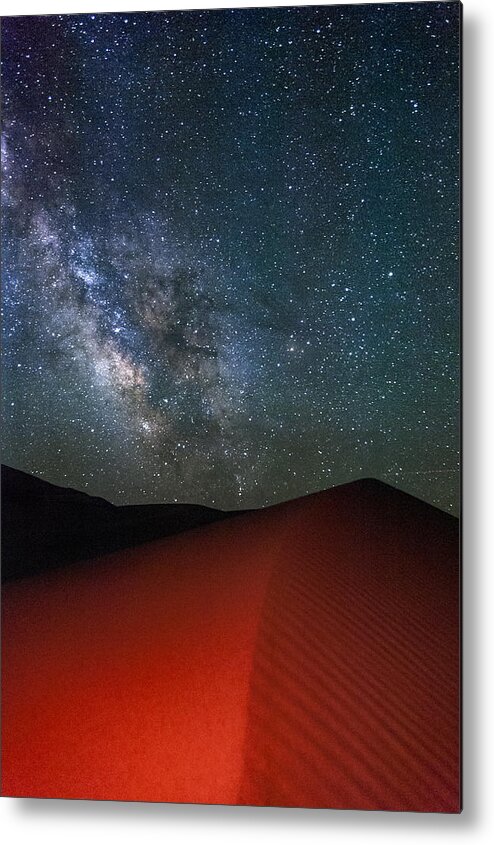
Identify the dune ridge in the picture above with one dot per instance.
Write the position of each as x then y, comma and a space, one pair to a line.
354, 691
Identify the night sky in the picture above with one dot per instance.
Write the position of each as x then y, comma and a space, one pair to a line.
231, 251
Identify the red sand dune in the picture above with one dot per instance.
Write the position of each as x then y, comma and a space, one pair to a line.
304, 655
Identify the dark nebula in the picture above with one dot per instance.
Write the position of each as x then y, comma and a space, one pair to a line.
230, 251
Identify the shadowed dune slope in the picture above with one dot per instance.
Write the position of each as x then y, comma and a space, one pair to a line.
304, 655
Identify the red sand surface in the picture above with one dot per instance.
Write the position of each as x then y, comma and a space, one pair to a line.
305, 655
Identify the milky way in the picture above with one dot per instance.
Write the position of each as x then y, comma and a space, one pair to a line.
230, 251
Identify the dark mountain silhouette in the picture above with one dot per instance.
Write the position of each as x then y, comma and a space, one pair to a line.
45, 526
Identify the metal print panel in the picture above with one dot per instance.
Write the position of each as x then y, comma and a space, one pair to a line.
230, 268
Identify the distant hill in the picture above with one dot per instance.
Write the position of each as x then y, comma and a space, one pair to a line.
45, 526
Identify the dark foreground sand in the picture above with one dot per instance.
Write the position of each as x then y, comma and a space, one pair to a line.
305, 655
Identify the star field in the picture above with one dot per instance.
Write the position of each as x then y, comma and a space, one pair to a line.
231, 251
